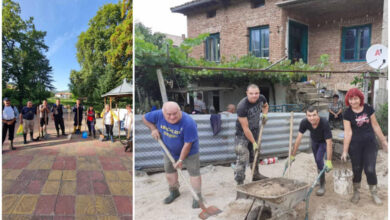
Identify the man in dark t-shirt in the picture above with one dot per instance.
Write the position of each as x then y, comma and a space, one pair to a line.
321, 141
27, 120
247, 131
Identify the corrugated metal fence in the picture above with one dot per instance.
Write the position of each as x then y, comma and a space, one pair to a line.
220, 148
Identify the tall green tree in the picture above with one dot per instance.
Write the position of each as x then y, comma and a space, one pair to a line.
97, 75
25, 66
120, 54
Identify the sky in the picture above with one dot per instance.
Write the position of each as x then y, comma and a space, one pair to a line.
63, 20
156, 14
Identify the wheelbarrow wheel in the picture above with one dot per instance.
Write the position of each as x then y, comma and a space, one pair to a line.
260, 212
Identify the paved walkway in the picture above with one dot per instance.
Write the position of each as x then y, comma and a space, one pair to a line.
66, 179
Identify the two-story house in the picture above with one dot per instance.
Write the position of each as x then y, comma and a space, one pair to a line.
306, 29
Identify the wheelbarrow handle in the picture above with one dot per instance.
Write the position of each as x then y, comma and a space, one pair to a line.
178, 170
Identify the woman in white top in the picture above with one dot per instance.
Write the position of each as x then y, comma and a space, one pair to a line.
108, 120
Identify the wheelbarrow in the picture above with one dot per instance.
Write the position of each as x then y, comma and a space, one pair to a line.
274, 198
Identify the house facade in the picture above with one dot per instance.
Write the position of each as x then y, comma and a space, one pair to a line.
298, 29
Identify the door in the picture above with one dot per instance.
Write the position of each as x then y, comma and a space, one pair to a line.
297, 41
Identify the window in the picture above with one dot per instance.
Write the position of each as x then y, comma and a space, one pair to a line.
257, 3
355, 42
212, 48
259, 41
211, 14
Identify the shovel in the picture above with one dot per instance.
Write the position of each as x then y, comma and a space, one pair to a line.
70, 132
311, 190
206, 212
257, 151
288, 165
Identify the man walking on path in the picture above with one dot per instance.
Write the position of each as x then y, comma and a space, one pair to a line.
247, 131
58, 117
78, 116
44, 116
179, 133
321, 142
10, 114
27, 119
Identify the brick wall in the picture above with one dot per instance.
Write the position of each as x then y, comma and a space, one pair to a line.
234, 21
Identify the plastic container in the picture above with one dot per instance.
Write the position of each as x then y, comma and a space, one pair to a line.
270, 160
342, 181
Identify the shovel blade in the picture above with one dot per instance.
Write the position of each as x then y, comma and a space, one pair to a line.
212, 210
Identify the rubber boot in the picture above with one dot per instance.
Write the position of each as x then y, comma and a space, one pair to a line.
195, 203
74, 129
173, 194
257, 176
321, 191
58, 133
24, 138
12, 145
375, 197
112, 139
356, 194
32, 136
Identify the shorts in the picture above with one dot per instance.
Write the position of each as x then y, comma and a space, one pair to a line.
42, 122
192, 164
28, 125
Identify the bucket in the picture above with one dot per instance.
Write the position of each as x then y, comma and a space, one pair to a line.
342, 181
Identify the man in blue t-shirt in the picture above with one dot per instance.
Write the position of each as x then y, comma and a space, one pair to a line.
27, 120
179, 133
321, 142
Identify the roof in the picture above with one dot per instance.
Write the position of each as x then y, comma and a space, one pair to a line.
196, 4
125, 89
200, 88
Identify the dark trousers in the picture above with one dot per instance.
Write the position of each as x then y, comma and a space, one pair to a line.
91, 127
109, 130
363, 157
11, 129
336, 122
319, 150
59, 122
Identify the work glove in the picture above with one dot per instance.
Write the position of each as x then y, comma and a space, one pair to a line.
328, 166
255, 146
292, 159
344, 156
265, 118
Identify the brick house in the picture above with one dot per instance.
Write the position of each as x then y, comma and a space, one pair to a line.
305, 29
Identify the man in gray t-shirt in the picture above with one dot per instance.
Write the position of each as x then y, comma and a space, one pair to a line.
247, 131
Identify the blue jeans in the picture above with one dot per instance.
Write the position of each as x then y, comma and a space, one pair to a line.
319, 150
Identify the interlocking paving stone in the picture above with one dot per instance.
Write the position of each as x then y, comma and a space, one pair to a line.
51, 187
85, 205
105, 205
108, 218
9, 202
26, 204
11, 174
123, 205
55, 175
54, 180
46, 205
68, 188
120, 188
65, 205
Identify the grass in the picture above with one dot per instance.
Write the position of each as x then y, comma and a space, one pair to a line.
64, 102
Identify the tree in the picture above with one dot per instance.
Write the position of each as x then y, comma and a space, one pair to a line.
120, 54
97, 75
24, 63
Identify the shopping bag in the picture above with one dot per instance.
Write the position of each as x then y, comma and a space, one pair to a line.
20, 130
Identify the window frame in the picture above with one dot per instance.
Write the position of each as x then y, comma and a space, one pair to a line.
257, 3
216, 38
259, 28
357, 42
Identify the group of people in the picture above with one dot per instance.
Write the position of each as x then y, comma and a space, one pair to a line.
11, 114
178, 131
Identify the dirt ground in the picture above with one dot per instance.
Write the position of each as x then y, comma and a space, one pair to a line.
218, 188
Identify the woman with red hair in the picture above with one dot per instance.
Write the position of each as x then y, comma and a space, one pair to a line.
360, 128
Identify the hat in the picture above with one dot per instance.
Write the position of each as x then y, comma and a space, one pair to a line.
6, 99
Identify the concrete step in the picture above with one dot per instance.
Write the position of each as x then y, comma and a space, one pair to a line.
307, 90
321, 100
305, 85
311, 95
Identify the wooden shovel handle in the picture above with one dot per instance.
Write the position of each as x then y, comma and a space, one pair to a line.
257, 151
